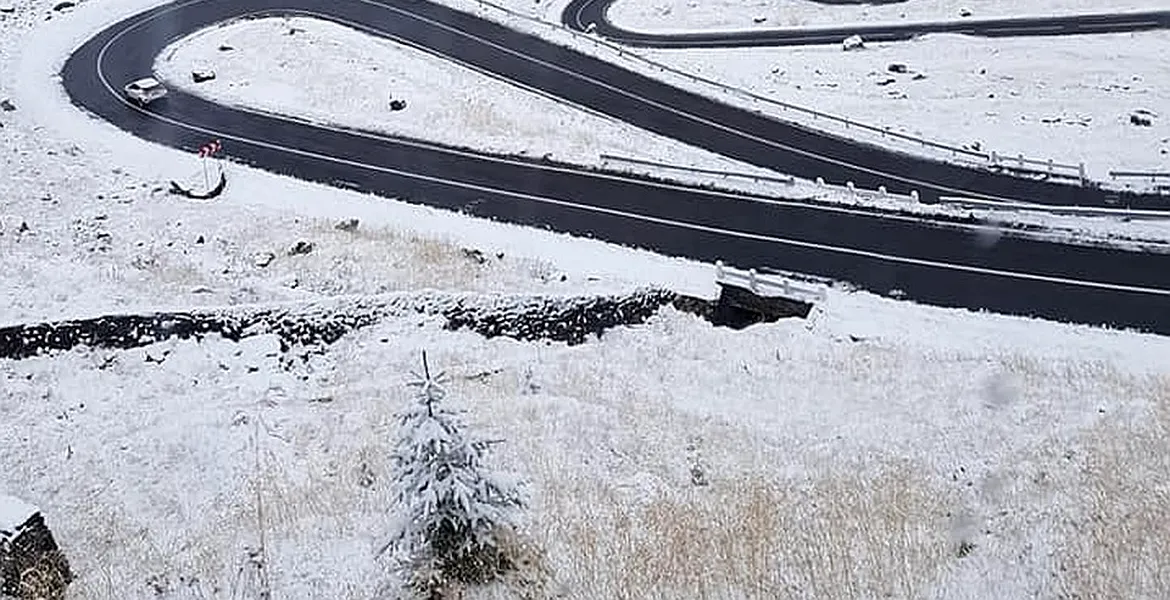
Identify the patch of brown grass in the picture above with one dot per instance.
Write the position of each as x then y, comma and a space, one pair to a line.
1118, 544
838, 536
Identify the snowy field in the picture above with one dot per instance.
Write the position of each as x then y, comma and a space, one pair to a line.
1039, 460
858, 453
1067, 98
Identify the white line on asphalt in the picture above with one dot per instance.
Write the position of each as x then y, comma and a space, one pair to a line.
726, 195
602, 210
671, 109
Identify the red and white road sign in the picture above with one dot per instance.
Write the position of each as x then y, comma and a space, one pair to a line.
209, 149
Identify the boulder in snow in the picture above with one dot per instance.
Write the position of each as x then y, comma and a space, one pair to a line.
263, 259
397, 104
201, 75
853, 42
7, 8
347, 225
6, 105
31, 565
301, 247
1142, 117
64, 5
897, 68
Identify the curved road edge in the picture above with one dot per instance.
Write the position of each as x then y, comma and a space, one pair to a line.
931, 264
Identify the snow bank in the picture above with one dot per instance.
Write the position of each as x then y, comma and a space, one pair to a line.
14, 512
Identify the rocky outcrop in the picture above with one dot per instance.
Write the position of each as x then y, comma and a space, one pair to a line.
31, 565
568, 319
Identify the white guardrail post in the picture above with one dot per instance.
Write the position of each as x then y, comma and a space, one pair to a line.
760, 284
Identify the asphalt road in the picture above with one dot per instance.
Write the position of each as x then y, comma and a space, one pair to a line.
580, 14
927, 262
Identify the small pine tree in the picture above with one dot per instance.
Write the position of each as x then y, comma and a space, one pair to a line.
456, 516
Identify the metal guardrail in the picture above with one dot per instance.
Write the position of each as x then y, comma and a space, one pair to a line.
1048, 166
670, 167
990, 158
848, 188
760, 285
1143, 174
1152, 176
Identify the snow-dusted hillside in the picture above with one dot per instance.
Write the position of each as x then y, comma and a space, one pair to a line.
834, 467
877, 448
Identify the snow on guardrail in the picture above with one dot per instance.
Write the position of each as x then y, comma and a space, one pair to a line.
769, 285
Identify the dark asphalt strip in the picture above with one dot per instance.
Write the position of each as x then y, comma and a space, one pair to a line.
876, 254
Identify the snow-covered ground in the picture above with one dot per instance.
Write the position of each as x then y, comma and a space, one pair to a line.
835, 468
688, 15
848, 455
1066, 98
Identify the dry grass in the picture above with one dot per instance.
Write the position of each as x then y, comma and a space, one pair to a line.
1117, 544
750, 537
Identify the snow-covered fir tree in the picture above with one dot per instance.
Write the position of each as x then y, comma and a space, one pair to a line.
456, 516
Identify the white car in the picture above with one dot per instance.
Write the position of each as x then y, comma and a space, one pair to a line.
145, 90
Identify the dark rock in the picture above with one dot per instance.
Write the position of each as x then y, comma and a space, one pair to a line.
526, 318
475, 255
226, 48
301, 247
918, 76
347, 225
263, 259
7, 8
739, 308
1141, 120
397, 104
31, 564
887, 81
6, 105
65, 4
201, 75
759, 19
897, 68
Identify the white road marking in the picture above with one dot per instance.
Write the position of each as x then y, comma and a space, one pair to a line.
726, 195
597, 209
